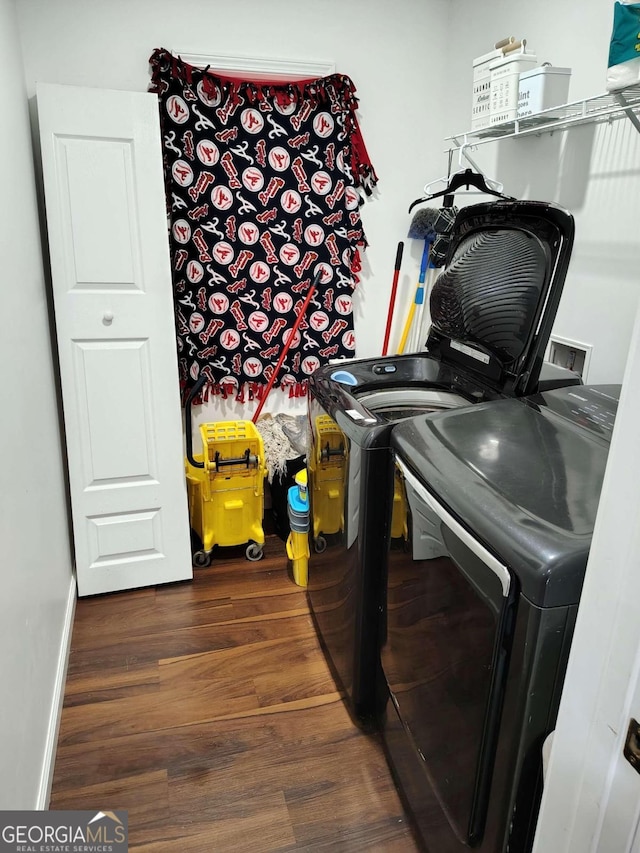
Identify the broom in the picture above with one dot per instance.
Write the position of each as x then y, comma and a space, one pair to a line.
435, 227
421, 228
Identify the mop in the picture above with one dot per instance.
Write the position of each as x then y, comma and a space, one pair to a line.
278, 449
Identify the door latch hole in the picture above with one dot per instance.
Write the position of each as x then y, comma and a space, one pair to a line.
632, 745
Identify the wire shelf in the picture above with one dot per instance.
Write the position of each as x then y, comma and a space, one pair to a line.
609, 106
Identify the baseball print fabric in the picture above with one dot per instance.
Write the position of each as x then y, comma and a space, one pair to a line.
264, 187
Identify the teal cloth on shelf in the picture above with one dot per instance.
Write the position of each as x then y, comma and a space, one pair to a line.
625, 39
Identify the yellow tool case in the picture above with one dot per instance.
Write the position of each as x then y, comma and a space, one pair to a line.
225, 486
399, 524
327, 464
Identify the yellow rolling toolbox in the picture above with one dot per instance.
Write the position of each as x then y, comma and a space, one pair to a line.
399, 525
225, 486
327, 464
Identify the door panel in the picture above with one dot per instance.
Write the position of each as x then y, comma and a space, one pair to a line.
445, 653
113, 304
96, 363
93, 169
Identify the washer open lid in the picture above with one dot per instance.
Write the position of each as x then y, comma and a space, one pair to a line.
493, 307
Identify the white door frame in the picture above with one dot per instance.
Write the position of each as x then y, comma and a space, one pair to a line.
591, 800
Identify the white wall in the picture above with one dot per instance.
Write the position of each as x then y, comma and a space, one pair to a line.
35, 559
594, 172
393, 54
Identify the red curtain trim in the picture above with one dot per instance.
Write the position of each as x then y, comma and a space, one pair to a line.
335, 87
246, 393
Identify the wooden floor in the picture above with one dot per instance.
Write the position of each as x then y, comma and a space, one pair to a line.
207, 710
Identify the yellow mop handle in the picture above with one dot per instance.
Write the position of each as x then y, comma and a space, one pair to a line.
407, 327
417, 299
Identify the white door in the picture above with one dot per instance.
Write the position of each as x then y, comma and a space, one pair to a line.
591, 799
106, 218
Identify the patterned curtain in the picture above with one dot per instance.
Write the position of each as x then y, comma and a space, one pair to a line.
264, 186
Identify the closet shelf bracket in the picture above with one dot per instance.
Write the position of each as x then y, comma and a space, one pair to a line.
608, 107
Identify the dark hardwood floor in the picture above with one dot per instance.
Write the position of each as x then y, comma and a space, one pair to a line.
207, 710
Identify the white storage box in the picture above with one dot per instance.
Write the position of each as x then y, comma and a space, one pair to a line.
542, 88
505, 78
480, 106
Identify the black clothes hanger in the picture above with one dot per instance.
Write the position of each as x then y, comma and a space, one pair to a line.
465, 179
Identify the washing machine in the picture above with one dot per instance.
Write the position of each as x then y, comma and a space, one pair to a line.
479, 609
492, 310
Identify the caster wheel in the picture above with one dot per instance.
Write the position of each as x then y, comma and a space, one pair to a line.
201, 559
319, 544
254, 552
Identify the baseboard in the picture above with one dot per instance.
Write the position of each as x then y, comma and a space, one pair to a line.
46, 779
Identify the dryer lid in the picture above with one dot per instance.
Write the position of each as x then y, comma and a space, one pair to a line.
523, 477
493, 306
